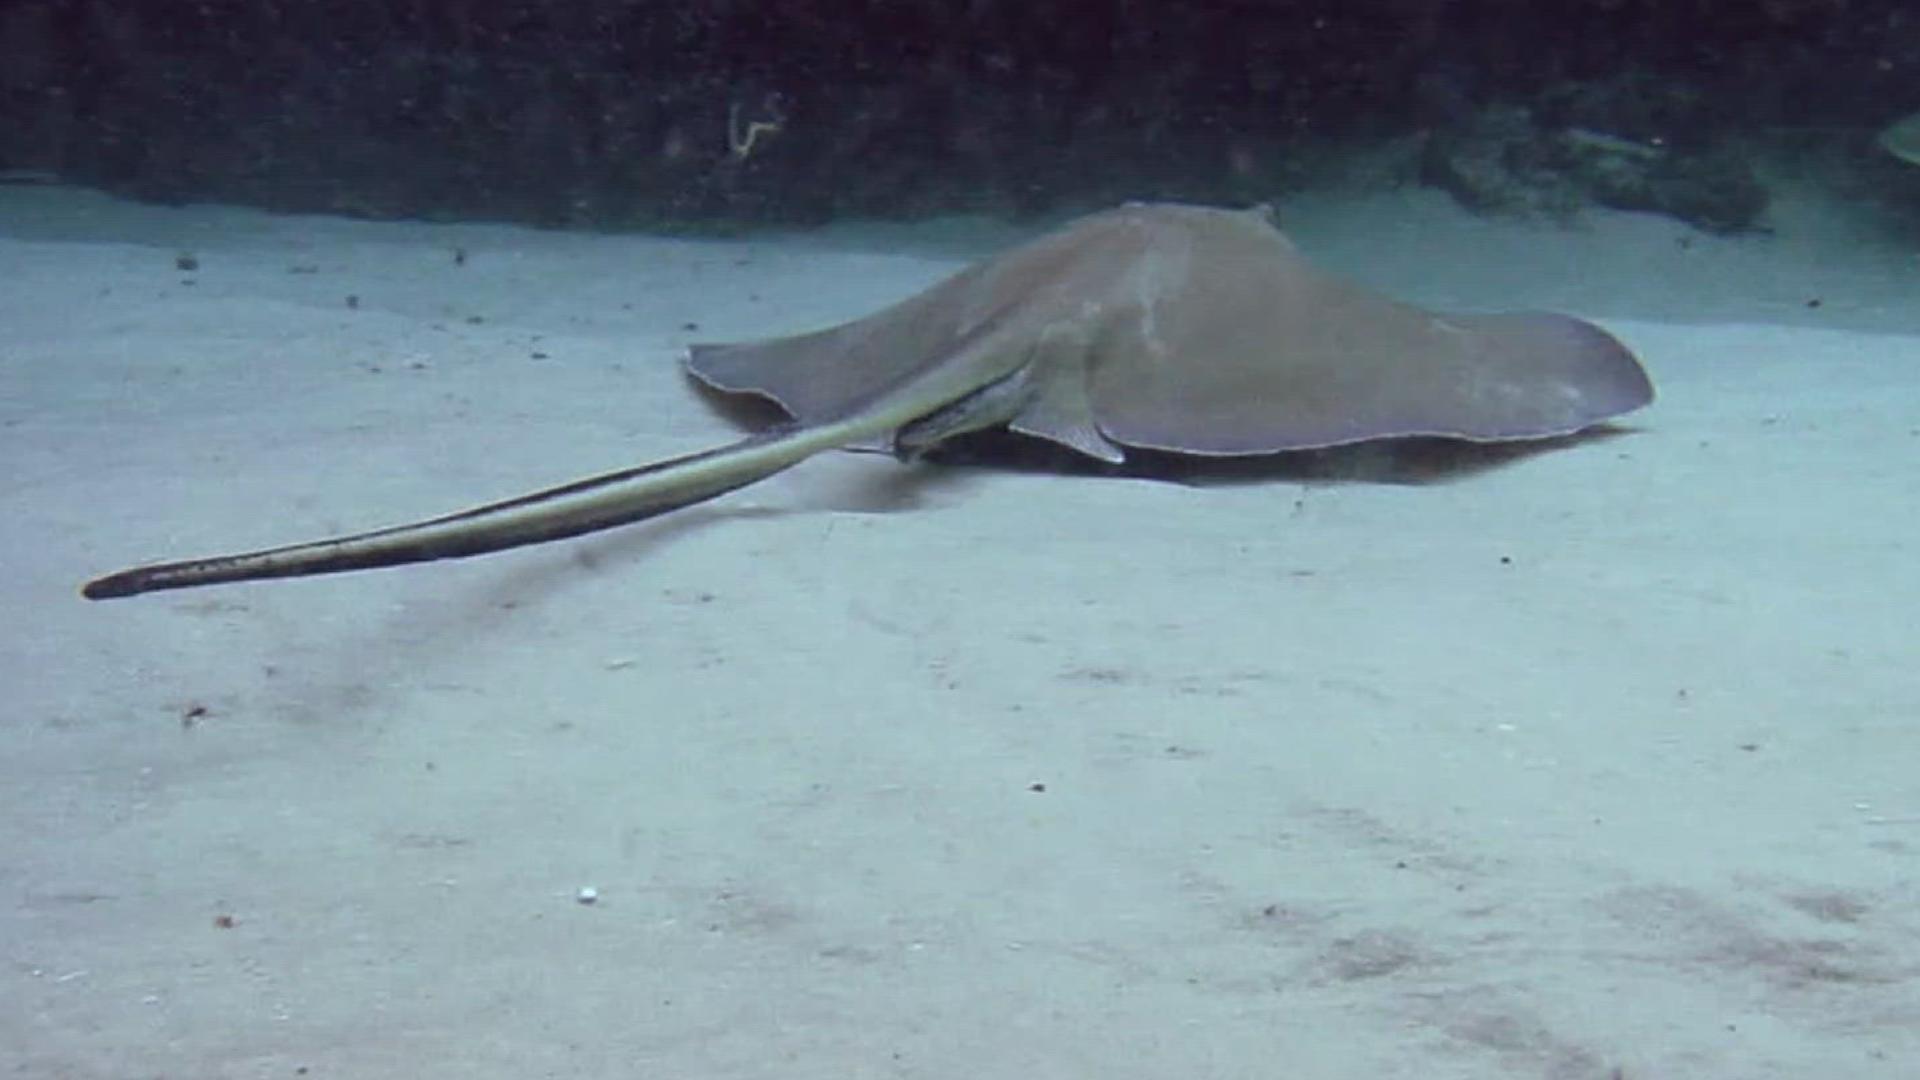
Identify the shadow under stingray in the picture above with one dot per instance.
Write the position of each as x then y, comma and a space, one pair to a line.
1412, 460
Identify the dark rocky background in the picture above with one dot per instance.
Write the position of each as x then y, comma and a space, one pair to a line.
695, 113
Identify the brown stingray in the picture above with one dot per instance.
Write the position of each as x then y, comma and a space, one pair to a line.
1165, 327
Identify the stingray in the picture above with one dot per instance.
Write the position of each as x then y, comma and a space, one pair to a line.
1185, 329
1902, 139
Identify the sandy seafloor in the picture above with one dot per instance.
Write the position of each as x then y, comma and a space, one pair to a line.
1601, 761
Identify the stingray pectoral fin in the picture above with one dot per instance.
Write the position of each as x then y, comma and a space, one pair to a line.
1902, 139
584, 506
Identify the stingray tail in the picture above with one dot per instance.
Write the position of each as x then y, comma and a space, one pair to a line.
584, 506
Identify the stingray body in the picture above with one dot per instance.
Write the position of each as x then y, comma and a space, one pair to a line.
1176, 328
